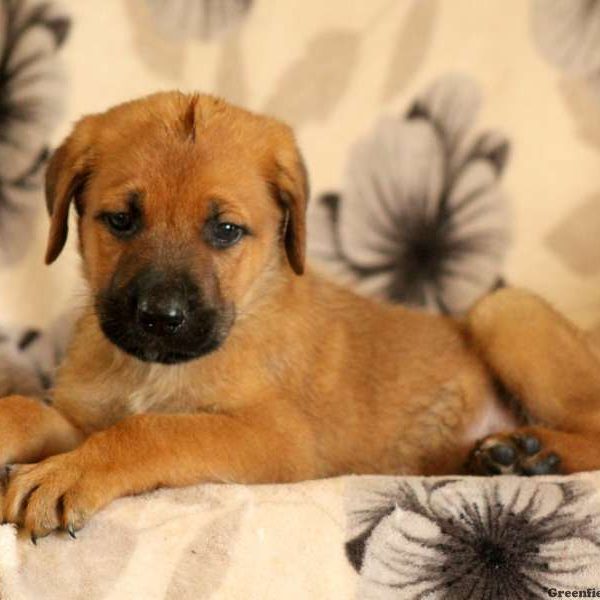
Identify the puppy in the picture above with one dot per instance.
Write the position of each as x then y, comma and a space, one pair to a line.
207, 353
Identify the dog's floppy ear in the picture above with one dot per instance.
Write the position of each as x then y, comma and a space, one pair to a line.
67, 171
292, 190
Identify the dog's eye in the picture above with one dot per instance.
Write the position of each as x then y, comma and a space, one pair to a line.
121, 223
224, 235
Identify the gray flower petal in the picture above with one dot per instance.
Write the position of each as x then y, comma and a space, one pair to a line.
376, 285
476, 203
18, 206
492, 146
310, 87
400, 548
29, 357
394, 172
413, 42
35, 101
568, 34
202, 19
31, 104
479, 237
453, 103
208, 557
574, 239
421, 219
17, 375
464, 282
496, 538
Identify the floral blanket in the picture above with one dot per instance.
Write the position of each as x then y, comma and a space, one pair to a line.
351, 537
420, 217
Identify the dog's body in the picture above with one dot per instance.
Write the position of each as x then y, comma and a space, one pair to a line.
204, 357
342, 376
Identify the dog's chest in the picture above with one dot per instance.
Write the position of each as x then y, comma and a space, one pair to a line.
164, 389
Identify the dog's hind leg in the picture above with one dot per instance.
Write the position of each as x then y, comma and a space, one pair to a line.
535, 451
550, 368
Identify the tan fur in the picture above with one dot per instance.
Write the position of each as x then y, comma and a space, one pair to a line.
312, 381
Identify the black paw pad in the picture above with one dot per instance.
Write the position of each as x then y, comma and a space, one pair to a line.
544, 466
517, 454
503, 454
528, 444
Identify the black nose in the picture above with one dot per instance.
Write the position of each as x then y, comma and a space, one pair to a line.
161, 312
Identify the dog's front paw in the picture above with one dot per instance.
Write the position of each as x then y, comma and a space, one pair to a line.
518, 453
62, 492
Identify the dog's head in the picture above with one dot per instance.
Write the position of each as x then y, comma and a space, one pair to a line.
186, 204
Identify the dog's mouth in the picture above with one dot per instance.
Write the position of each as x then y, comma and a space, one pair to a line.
151, 354
173, 350
201, 334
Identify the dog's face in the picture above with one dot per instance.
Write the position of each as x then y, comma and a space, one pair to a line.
189, 210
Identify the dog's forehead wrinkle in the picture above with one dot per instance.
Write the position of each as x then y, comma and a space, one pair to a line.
189, 119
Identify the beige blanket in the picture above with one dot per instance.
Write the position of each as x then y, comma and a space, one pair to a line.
352, 537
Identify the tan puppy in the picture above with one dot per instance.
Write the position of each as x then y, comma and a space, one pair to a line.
205, 353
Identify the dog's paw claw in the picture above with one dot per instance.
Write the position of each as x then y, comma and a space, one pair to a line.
513, 454
71, 531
